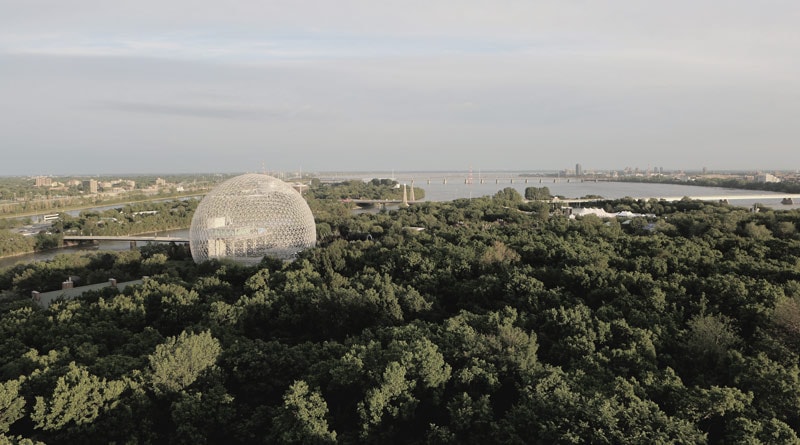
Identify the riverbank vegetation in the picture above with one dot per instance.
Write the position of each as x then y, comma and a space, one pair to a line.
130, 219
470, 322
731, 183
356, 189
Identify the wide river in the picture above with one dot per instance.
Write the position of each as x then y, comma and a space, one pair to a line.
447, 186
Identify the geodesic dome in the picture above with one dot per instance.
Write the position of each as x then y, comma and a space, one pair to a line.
250, 216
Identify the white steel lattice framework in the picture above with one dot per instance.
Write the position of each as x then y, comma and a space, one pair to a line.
251, 216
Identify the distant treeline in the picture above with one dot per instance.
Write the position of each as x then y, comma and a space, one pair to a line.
358, 189
734, 183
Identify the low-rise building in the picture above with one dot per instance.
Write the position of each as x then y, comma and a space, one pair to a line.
766, 177
68, 290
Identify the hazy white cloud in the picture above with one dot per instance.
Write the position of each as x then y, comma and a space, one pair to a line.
204, 85
214, 111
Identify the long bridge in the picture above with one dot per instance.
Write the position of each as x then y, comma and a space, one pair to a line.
378, 202
508, 180
132, 239
464, 179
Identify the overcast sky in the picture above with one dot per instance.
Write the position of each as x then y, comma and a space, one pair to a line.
96, 86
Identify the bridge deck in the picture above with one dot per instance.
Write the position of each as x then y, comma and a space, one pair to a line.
374, 201
156, 239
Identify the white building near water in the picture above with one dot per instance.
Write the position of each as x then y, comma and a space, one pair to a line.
766, 177
601, 213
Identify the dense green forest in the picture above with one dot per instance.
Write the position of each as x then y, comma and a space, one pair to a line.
466, 322
358, 189
144, 217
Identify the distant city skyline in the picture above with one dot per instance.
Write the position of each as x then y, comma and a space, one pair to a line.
184, 87
563, 170
46, 179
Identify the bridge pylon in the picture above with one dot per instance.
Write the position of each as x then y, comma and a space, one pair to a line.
412, 198
405, 196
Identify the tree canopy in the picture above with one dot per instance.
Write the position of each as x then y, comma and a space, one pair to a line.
492, 324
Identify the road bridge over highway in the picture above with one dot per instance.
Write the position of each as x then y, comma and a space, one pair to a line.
133, 239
